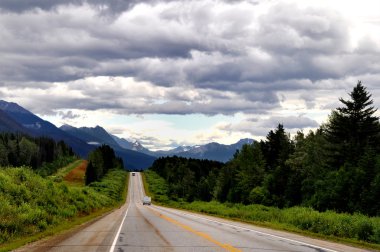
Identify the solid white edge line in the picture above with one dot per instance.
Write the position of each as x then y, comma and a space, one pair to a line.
125, 216
118, 232
255, 231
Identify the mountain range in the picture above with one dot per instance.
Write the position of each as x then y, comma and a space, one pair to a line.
212, 151
14, 118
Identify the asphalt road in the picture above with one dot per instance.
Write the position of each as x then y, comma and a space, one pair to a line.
135, 227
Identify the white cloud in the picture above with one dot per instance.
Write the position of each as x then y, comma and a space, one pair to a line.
71, 60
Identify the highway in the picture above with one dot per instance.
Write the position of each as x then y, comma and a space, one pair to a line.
135, 227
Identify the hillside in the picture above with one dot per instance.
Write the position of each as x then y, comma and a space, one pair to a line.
15, 118
96, 136
35, 126
7, 124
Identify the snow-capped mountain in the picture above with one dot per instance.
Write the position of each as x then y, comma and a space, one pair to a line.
132, 145
212, 151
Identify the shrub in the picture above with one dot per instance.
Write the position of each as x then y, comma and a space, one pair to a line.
329, 223
30, 204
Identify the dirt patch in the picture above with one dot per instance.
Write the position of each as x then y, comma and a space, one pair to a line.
76, 175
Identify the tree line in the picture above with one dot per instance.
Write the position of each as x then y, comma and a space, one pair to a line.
100, 162
188, 178
45, 156
336, 167
22, 150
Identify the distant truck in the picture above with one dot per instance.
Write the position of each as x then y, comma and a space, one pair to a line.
147, 201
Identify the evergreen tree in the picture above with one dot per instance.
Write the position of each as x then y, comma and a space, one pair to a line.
353, 127
250, 170
90, 175
353, 134
276, 148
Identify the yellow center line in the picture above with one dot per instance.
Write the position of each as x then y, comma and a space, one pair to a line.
227, 247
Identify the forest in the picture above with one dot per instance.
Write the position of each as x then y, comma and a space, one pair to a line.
35, 202
100, 162
42, 154
336, 167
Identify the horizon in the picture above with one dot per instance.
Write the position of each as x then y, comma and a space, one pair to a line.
129, 140
179, 73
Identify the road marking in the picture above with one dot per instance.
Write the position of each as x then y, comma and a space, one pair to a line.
118, 232
125, 216
252, 230
227, 247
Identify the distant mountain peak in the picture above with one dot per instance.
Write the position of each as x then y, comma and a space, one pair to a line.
12, 107
66, 127
137, 146
211, 151
245, 141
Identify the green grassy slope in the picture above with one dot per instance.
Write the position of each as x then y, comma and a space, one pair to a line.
31, 205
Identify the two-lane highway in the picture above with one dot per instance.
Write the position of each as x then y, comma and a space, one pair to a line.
148, 228
153, 228
135, 227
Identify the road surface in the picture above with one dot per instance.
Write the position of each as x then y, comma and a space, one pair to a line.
135, 227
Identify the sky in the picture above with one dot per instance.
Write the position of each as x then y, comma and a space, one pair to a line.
170, 73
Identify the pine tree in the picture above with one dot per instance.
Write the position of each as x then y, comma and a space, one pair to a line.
90, 175
353, 128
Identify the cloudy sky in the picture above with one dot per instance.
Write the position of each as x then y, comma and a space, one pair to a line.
187, 72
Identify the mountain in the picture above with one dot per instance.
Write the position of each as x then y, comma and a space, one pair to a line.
211, 151
92, 136
35, 126
132, 158
122, 142
7, 124
136, 145
15, 118
175, 151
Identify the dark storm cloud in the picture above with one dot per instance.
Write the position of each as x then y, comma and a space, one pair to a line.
104, 6
201, 58
237, 60
26, 5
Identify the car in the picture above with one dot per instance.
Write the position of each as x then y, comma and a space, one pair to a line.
147, 200
133, 174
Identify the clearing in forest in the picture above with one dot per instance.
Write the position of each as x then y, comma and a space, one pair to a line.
76, 176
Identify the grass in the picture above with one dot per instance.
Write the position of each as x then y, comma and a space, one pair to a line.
47, 169
353, 229
61, 228
32, 206
155, 187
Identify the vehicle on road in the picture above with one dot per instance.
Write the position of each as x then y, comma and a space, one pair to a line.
147, 200
133, 174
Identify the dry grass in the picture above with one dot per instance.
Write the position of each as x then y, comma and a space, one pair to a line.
76, 176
